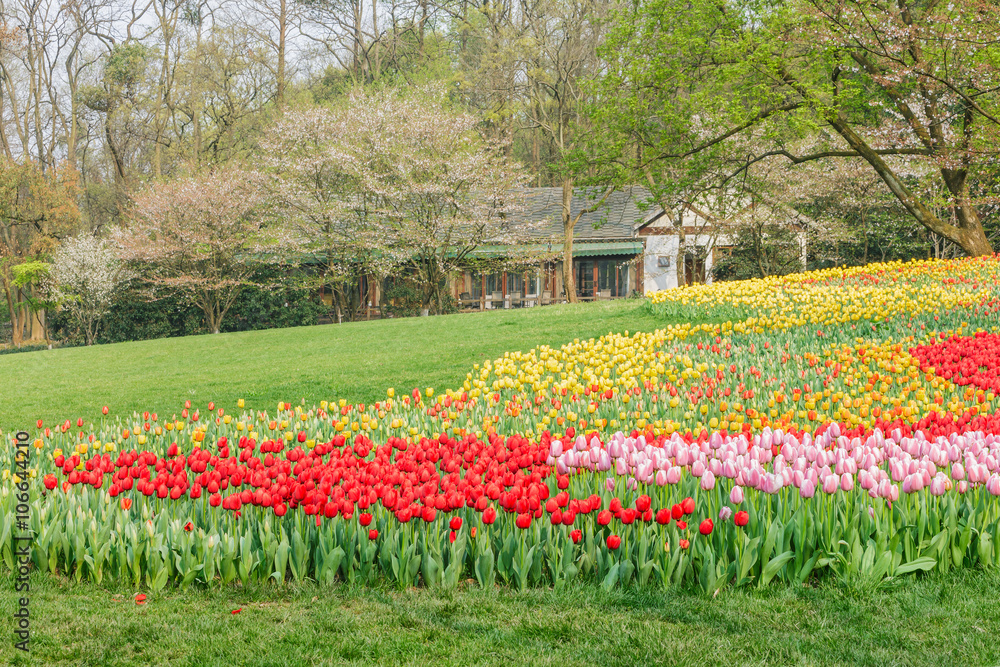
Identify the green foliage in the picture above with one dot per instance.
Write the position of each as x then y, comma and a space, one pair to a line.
135, 316
31, 272
404, 299
126, 64
759, 251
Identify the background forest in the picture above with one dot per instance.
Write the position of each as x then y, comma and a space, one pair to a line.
166, 165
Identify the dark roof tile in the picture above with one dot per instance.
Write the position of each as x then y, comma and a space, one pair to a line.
616, 219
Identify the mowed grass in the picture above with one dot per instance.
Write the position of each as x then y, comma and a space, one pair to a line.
355, 361
935, 620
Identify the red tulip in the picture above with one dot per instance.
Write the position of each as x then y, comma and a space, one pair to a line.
51, 482
428, 514
687, 505
372, 534
681, 525
39, 423
489, 516
614, 542
576, 536
706, 527
642, 503
365, 519
741, 518
280, 509
676, 512
685, 544
104, 410
473, 532
215, 500
188, 527
663, 516
452, 536
455, 523
140, 598
523, 520
604, 518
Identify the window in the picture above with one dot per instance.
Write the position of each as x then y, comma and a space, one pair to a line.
488, 283
585, 269
602, 275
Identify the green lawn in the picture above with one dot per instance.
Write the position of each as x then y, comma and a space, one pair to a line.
935, 620
356, 361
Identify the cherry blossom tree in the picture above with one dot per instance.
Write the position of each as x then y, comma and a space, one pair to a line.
86, 275
202, 236
395, 184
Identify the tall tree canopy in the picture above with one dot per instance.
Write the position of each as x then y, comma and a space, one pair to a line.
911, 88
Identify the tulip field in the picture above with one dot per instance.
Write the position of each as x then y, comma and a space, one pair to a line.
841, 424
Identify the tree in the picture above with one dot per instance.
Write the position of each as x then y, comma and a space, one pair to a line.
87, 275
36, 209
394, 183
200, 236
119, 99
315, 193
539, 58
903, 86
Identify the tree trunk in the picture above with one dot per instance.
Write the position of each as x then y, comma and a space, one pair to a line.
969, 234
196, 95
14, 310
681, 240
569, 283
115, 154
282, 30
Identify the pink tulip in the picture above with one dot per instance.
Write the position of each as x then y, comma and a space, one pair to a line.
847, 481
808, 489
736, 495
993, 484
831, 483
938, 485
707, 481
555, 448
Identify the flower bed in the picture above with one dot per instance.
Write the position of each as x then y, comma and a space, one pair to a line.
838, 423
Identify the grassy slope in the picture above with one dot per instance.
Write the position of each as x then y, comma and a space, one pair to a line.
355, 361
949, 620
